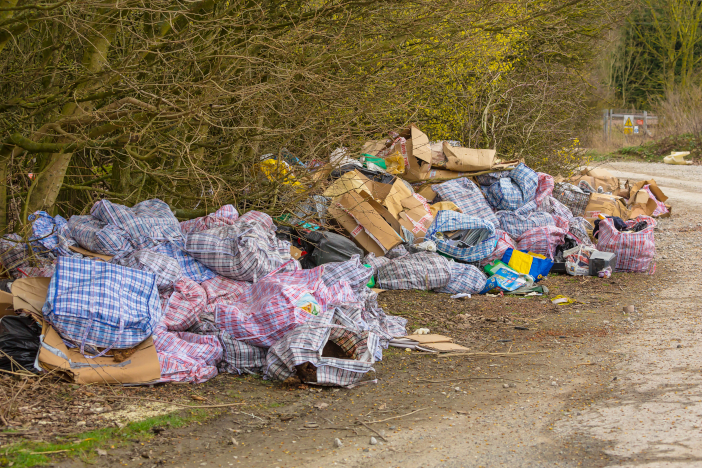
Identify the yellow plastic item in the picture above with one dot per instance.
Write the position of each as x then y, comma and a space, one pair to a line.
562, 300
677, 158
395, 163
520, 262
278, 171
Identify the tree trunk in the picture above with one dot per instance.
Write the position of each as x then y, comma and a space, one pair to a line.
45, 193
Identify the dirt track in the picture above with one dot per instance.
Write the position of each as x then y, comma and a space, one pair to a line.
605, 389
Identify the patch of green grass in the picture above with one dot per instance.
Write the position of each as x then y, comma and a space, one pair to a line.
84, 445
655, 151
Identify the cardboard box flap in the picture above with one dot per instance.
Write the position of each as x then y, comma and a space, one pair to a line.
89, 254
368, 217
417, 144
30, 294
142, 367
6, 304
355, 230
608, 205
652, 186
428, 193
468, 159
348, 182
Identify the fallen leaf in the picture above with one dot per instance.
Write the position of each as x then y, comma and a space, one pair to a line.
197, 398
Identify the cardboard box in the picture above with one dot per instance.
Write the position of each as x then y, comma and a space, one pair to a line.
415, 218
428, 193
608, 205
371, 226
468, 160
388, 195
597, 177
142, 367
653, 187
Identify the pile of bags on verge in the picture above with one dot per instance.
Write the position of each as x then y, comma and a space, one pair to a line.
131, 295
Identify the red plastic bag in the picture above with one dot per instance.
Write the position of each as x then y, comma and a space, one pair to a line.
635, 250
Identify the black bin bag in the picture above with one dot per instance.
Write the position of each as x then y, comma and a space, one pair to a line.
19, 342
327, 247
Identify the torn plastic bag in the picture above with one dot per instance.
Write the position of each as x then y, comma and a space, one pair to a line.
476, 240
306, 351
19, 343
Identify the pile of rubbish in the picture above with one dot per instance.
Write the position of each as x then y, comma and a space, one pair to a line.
130, 295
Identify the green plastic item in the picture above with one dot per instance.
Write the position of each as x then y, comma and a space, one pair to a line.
490, 268
380, 162
370, 283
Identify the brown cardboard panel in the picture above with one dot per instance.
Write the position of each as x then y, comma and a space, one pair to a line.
425, 339
88, 253
468, 159
352, 181
30, 294
445, 347
373, 147
6, 304
366, 212
358, 235
142, 367
428, 193
295, 253
655, 190
608, 205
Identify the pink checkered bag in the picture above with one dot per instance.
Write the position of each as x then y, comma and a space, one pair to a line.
184, 306
504, 242
542, 240
635, 250
545, 187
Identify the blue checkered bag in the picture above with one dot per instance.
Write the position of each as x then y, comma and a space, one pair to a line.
166, 269
145, 224
509, 193
447, 221
465, 279
468, 197
101, 305
52, 233
516, 223
191, 268
99, 237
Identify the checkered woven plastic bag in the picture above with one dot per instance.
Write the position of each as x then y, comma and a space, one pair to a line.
448, 221
465, 279
191, 268
239, 357
571, 196
635, 250
277, 304
99, 304
166, 270
504, 242
184, 306
306, 343
221, 290
516, 223
542, 240
545, 187
375, 262
350, 271
509, 193
145, 224
98, 236
187, 357
225, 216
578, 227
423, 271
245, 251
468, 197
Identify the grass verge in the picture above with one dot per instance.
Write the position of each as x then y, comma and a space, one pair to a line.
84, 445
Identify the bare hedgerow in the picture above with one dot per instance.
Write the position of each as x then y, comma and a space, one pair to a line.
135, 99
